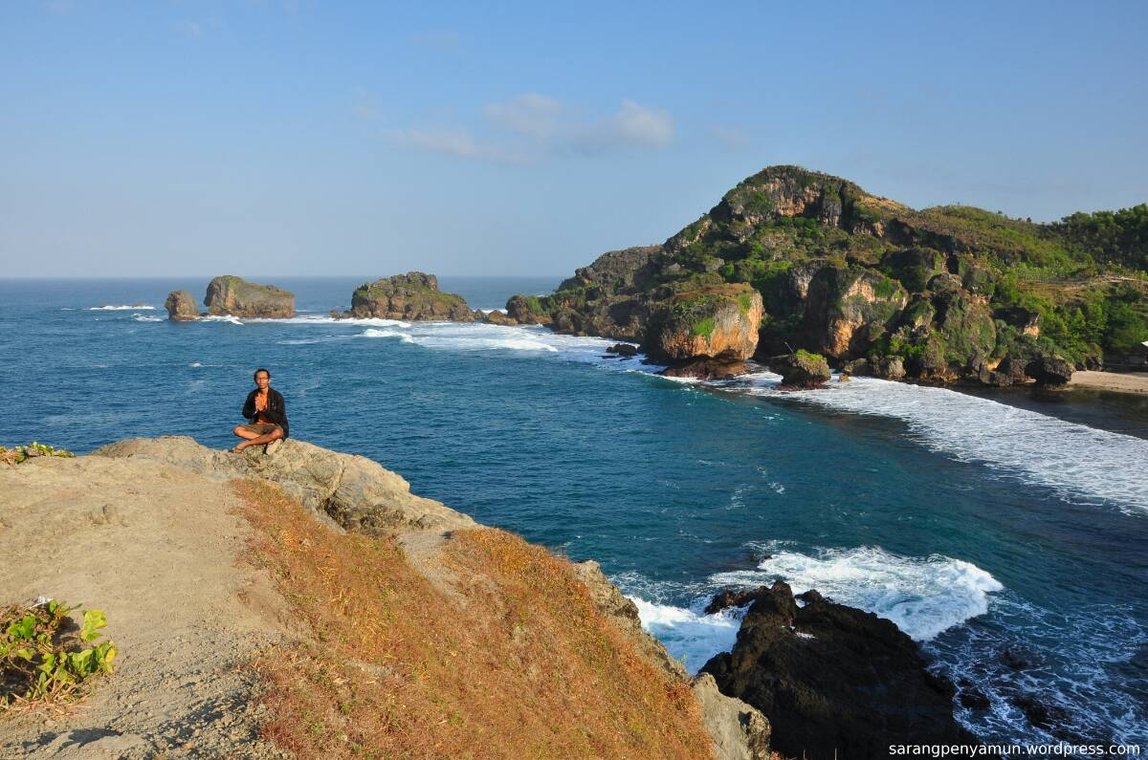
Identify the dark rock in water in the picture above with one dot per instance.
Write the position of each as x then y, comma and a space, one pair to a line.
527, 310
1020, 658
885, 367
180, 306
623, 349
890, 368
834, 681
707, 369
734, 598
495, 317
412, 296
972, 697
237, 297
1049, 370
801, 369
1051, 718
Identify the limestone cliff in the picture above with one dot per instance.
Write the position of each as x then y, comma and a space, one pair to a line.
943, 294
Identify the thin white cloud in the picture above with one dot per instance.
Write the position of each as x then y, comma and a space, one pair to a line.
457, 142
634, 125
534, 116
530, 127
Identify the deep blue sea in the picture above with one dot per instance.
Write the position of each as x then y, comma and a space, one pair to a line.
1005, 532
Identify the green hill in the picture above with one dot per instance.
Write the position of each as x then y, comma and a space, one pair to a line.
950, 291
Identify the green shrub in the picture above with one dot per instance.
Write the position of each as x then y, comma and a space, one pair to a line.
885, 288
42, 657
31, 451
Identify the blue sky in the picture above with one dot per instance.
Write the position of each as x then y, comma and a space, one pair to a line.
275, 137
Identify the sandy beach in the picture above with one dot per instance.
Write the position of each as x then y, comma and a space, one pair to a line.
1110, 381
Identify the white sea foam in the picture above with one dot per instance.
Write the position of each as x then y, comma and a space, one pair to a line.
458, 336
221, 318
146, 318
196, 364
134, 307
452, 336
922, 595
324, 319
313, 341
690, 636
375, 333
1074, 460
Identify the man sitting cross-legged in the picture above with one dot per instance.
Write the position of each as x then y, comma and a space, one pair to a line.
266, 413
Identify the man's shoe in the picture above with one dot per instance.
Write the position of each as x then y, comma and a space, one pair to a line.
270, 448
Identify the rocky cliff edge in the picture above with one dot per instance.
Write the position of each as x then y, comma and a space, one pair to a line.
223, 640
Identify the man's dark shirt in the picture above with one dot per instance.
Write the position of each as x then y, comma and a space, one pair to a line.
276, 410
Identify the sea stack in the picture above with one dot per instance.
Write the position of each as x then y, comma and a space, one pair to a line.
413, 296
180, 306
231, 295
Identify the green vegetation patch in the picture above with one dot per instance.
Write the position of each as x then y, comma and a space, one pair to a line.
704, 328
44, 657
31, 451
1112, 237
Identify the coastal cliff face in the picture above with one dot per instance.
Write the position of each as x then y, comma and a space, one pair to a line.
324, 609
941, 295
230, 295
412, 296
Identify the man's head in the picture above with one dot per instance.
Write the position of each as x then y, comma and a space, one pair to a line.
262, 377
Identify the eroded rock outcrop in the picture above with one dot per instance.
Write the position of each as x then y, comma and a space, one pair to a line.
1048, 369
801, 369
847, 308
356, 493
834, 681
180, 306
237, 297
413, 296
717, 322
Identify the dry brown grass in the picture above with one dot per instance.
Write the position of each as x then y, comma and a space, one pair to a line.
523, 666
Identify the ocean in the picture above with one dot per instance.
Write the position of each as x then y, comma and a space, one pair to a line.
1004, 531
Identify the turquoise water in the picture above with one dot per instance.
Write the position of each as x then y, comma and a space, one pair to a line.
980, 528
